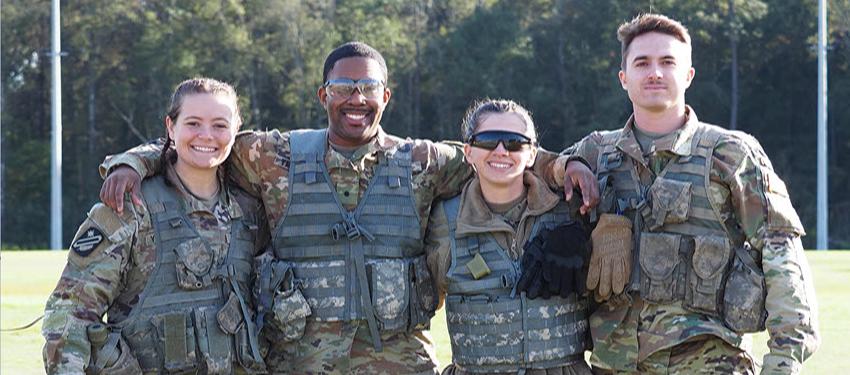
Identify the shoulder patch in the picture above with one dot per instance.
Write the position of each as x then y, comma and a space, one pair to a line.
87, 242
112, 226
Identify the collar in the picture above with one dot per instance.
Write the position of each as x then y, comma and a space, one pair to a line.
475, 216
193, 204
378, 145
679, 142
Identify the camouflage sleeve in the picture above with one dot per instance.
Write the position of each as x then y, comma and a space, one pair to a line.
260, 160
91, 280
764, 212
444, 169
550, 167
144, 159
438, 249
791, 304
586, 149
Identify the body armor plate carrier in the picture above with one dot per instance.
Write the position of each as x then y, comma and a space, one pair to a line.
492, 329
192, 316
367, 264
687, 250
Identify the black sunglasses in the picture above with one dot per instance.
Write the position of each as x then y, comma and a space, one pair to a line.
344, 87
490, 139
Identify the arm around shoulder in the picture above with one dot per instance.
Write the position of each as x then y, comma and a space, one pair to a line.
442, 167
143, 158
438, 248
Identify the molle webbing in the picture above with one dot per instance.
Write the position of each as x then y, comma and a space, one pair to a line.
512, 334
164, 308
694, 169
634, 199
494, 330
329, 247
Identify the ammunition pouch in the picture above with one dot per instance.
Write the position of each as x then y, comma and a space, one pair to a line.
706, 275
661, 268
205, 338
403, 293
423, 297
709, 262
290, 310
214, 345
194, 262
745, 295
390, 290
269, 277
671, 202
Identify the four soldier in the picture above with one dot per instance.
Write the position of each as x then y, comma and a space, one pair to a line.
695, 243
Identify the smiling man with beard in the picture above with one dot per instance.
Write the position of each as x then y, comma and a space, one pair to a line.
349, 291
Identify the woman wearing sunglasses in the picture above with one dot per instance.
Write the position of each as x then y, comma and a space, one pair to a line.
507, 256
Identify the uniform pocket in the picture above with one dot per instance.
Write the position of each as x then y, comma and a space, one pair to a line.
215, 347
671, 201
389, 286
194, 261
290, 313
659, 258
744, 295
176, 335
423, 296
710, 259
229, 317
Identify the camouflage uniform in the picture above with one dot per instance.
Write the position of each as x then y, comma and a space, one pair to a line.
261, 161
630, 334
511, 231
110, 262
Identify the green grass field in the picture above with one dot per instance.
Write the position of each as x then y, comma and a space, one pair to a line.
27, 277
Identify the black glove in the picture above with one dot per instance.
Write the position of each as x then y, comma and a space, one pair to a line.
531, 281
564, 254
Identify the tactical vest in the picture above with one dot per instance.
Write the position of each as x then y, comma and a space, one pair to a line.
358, 265
492, 329
688, 245
192, 316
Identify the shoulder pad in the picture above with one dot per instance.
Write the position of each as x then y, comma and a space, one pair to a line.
608, 137
101, 231
116, 227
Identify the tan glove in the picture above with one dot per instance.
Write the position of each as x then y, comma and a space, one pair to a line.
611, 258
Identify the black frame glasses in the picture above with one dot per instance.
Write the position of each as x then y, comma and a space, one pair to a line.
490, 139
344, 87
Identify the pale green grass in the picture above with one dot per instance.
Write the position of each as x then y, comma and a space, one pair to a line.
27, 277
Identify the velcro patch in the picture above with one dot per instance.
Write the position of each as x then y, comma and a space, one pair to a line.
88, 241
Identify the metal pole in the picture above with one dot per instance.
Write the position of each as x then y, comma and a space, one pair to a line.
56, 138
1, 136
823, 217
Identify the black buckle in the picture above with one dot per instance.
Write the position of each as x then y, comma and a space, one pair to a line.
347, 228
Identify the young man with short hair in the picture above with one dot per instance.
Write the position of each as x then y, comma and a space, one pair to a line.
705, 225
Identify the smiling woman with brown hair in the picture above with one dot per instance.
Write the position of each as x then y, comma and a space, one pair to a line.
171, 275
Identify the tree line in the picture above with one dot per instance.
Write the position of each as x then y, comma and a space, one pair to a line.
755, 62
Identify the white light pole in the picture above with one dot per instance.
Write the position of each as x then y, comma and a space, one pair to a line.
823, 217
56, 138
